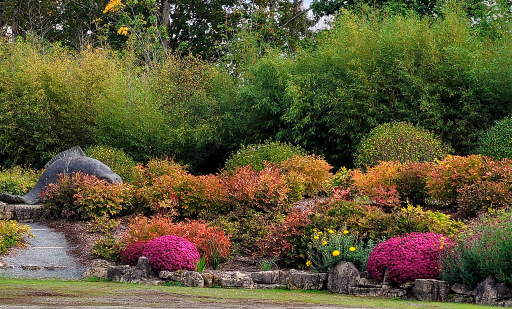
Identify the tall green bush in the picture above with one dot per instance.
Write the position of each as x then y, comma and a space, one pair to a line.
399, 141
374, 68
116, 159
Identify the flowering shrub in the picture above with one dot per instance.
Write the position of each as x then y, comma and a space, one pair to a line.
132, 253
257, 155
482, 249
12, 234
84, 196
328, 247
409, 257
171, 253
210, 241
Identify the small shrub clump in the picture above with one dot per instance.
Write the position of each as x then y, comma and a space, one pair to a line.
132, 253
399, 141
257, 155
409, 257
482, 249
171, 253
496, 143
107, 247
84, 196
12, 234
211, 241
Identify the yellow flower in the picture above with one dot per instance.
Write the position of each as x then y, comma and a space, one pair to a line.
308, 263
316, 237
331, 232
320, 233
113, 6
324, 243
335, 253
352, 248
441, 247
314, 230
123, 31
345, 232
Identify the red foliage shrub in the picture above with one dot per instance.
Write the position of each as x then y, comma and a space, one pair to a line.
262, 190
84, 196
286, 240
210, 241
171, 253
132, 253
409, 257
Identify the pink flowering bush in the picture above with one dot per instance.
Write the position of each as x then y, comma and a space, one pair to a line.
132, 253
409, 257
171, 253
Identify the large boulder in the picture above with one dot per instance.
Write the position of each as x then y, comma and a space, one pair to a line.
301, 280
431, 290
341, 277
486, 292
233, 279
98, 269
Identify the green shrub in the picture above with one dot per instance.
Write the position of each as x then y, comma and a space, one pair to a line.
399, 141
482, 249
328, 247
257, 154
496, 142
12, 234
107, 247
17, 180
116, 159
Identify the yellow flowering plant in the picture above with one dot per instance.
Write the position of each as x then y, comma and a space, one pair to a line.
329, 247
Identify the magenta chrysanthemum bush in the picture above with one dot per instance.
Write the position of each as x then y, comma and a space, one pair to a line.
409, 257
132, 253
171, 253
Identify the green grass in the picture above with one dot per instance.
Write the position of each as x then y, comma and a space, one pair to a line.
81, 293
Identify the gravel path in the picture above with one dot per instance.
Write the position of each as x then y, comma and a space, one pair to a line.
47, 256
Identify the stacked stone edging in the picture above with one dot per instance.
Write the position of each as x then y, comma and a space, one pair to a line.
20, 212
342, 279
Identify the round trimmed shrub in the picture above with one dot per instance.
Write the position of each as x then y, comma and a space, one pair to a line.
409, 257
132, 253
399, 141
496, 142
258, 154
171, 253
121, 163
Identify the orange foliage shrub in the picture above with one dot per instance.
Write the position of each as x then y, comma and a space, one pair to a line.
311, 173
210, 241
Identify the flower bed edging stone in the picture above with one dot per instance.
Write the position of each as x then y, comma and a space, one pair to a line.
487, 292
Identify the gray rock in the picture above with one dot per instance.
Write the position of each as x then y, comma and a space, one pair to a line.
208, 279
270, 277
67, 162
486, 292
369, 283
505, 303
341, 277
462, 298
503, 291
116, 273
301, 280
431, 290
98, 269
141, 272
462, 289
392, 293
364, 291
31, 267
234, 279
271, 286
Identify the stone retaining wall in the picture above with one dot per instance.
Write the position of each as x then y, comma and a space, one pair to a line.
343, 279
19, 212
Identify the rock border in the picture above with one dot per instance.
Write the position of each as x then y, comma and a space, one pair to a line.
342, 279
